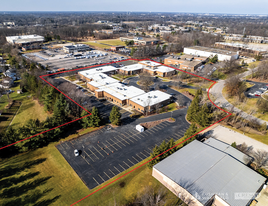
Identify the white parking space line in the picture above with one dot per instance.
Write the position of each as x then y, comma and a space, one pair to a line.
131, 161
106, 175
112, 172
101, 178
126, 164
122, 167
117, 169
95, 180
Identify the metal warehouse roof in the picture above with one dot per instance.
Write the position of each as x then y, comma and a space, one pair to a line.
204, 170
224, 147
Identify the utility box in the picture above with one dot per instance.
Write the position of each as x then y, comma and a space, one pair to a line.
140, 128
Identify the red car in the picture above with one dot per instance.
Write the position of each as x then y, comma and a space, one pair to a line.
257, 95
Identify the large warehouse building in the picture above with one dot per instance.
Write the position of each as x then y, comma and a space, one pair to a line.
210, 52
209, 173
25, 39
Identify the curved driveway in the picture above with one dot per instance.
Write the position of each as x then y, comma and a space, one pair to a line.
216, 90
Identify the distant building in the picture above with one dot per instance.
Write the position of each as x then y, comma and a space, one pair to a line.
210, 174
186, 62
210, 52
141, 40
25, 40
117, 48
76, 48
241, 47
6, 83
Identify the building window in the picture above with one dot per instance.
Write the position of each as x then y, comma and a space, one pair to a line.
138, 108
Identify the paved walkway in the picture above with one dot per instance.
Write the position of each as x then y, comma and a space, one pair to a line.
229, 136
216, 90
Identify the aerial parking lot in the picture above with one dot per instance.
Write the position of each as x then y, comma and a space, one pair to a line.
56, 58
256, 90
110, 151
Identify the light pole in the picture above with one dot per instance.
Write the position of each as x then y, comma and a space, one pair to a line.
171, 114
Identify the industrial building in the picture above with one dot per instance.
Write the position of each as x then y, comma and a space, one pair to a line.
76, 48
155, 68
117, 48
25, 39
141, 40
186, 62
241, 48
211, 52
211, 173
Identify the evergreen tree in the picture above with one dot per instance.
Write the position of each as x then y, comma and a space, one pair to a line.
190, 132
94, 118
193, 109
48, 102
59, 110
115, 116
204, 116
85, 122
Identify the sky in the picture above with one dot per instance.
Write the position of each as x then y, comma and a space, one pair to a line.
195, 6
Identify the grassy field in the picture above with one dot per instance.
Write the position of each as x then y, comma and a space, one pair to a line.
14, 95
113, 42
30, 109
8, 115
247, 106
43, 177
100, 43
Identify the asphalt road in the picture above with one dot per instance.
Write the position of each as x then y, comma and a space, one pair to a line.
108, 152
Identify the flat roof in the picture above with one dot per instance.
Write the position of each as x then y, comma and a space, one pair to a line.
212, 50
101, 79
151, 98
24, 38
204, 170
164, 69
186, 56
239, 45
121, 91
88, 73
150, 63
132, 67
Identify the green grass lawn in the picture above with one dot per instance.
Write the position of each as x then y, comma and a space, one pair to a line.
8, 115
246, 107
30, 109
14, 95
97, 45
114, 42
71, 78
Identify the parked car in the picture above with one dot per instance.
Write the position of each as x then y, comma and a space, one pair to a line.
264, 88
76, 152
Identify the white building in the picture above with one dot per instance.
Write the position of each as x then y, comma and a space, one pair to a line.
210, 52
76, 48
25, 39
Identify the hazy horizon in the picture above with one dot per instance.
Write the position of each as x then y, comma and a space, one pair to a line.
241, 7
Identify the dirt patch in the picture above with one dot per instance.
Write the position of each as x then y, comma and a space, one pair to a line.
188, 94
257, 80
148, 125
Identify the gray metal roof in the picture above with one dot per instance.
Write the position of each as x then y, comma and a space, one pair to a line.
204, 171
224, 147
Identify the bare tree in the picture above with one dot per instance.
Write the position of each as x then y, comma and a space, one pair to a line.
260, 159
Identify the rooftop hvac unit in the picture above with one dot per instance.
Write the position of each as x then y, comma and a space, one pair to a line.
155, 96
138, 98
